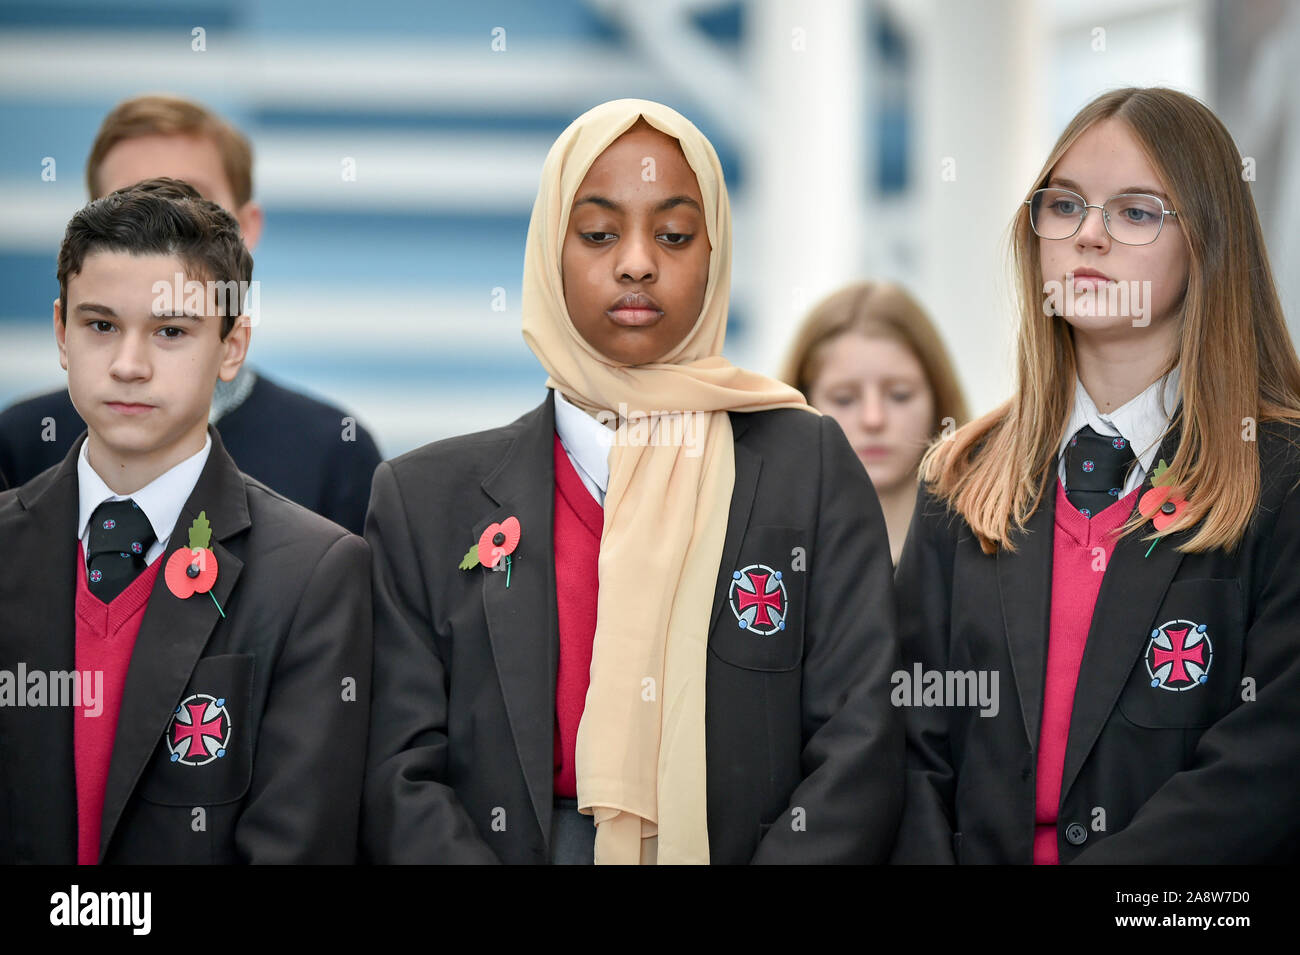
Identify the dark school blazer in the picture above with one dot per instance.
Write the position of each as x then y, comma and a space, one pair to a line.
283, 438
1160, 767
294, 590
805, 753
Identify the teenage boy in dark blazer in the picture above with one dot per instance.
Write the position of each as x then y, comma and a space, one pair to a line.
310, 451
221, 633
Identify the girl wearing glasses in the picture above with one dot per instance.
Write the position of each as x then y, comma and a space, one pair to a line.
1115, 547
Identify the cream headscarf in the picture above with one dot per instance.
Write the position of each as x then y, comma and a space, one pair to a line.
640, 754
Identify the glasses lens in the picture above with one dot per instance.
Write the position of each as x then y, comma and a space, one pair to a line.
1134, 219
1055, 213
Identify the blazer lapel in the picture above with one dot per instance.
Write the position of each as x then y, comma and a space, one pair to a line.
522, 619
43, 635
1025, 585
748, 465
174, 631
1132, 590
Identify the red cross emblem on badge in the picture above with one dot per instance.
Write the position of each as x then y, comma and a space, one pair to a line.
200, 730
1178, 655
758, 599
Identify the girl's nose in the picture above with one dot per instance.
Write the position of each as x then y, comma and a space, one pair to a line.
636, 259
1092, 234
873, 410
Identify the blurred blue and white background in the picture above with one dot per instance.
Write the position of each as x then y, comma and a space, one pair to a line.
835, 119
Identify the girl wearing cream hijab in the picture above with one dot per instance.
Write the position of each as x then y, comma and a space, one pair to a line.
687, 657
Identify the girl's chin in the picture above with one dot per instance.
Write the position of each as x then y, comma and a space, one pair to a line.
1106, 325
884, 475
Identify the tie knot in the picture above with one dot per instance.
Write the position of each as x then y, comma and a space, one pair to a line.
119, 526
1088, 442
1096, 467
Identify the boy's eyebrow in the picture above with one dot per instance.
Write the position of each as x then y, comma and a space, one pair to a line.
96, 308
669, 203
1075, 187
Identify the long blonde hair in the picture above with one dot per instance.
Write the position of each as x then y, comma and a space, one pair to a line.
1239, 367
877, 310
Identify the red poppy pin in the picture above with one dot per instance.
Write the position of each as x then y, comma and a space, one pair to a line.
1163, 503
494, 547
193, 570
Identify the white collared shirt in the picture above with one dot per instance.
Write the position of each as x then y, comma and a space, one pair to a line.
1141, 421
587, 442
161, 499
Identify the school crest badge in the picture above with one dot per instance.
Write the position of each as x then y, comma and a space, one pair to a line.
758, 599
1178, 655
199, 731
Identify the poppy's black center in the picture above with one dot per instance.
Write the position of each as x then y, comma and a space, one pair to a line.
498, 538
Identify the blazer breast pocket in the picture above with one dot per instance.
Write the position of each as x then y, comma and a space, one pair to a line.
205, 757
1188, 672
760, 625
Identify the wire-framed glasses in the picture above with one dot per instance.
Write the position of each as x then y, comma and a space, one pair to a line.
1130, 218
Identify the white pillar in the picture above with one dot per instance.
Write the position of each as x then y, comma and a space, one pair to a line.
807, 156
981, 140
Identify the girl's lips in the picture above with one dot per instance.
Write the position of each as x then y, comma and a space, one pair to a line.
874, 454
635, 317
1089, 278
123, 407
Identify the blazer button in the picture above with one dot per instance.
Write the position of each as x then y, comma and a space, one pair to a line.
1075, 834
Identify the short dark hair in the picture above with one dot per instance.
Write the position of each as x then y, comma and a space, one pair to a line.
161, 217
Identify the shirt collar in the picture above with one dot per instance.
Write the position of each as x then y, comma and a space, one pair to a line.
1142, 421
585, 439
161, 499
